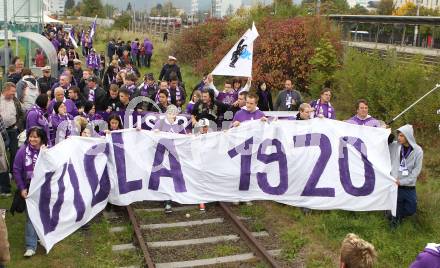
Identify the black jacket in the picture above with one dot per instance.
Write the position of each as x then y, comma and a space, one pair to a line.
46, 83
166, 71
265, 105
100, 97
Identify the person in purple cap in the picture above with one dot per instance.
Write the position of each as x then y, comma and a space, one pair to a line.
362, 117
322, 106
428, 258
249, 112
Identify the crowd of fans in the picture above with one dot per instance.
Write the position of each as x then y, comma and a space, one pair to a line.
32, 109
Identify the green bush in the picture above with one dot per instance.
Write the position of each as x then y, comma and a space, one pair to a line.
389, 85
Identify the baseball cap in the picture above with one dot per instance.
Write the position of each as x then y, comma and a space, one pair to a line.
46, 68
92, 78
172, 58
76, 61
203, 123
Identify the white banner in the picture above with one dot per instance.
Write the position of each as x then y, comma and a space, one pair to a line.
313, 164
238, 61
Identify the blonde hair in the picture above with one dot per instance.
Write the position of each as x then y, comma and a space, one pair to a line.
357, 253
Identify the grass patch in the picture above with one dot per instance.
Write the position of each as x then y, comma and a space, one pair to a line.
293, 242
225, 250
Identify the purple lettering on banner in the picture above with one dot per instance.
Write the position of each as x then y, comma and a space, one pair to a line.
159, 170
121, 170
279, 157
321, 140
344, 169
78, 201
92, 175
48, 219
245, 150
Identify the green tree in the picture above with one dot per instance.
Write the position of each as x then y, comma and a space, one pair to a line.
69, 4
324, 63
359, 10
385, 7
122, 22
109, 10
91, 8
334, 7
156, 11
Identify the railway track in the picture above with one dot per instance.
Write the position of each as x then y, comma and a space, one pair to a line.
191, 238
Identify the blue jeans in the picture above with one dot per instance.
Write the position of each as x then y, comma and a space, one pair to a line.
406, 202
31, 237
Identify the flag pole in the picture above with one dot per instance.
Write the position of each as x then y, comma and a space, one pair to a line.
437, 86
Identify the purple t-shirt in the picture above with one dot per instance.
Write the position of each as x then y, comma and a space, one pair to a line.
369, 121
245, 115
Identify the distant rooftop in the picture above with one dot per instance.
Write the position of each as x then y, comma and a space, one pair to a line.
415, 20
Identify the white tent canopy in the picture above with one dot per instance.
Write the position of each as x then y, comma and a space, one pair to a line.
47, 19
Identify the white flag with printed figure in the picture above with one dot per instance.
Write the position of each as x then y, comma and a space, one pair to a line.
238, 61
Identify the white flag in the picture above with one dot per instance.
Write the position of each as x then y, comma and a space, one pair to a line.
238, 61
72, 38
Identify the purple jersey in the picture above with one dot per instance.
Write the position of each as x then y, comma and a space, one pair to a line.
245, 115
227, 98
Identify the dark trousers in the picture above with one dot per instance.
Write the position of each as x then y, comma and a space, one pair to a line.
406, 202
5, 183
13, 145
148, 60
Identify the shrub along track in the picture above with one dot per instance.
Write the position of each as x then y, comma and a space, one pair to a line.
190, 238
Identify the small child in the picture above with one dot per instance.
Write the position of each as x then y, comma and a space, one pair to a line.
195, 98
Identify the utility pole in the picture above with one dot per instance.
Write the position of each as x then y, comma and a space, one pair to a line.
6, 47
416, 28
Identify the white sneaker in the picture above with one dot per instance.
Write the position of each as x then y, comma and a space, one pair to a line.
29, 253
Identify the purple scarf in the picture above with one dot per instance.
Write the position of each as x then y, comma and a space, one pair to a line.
319, 109
31, 156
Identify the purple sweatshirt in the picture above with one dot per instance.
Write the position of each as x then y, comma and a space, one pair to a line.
24, 164
245, 115
428, 258
148, 46
93, 61
369, 121
189, 107
56, 44
55, 120
228, 98
70, 107
35, 118
134, 48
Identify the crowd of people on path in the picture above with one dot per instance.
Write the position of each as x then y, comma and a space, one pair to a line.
39, 112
